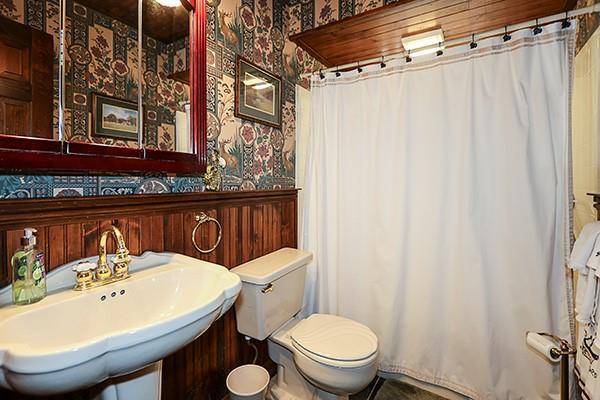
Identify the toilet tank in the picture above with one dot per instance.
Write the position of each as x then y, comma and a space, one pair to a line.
272, 291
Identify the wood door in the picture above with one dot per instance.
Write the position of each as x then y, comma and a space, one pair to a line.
26, 81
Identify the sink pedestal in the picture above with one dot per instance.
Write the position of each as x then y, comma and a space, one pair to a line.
144, 384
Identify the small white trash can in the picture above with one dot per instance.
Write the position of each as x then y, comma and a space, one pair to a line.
248, 382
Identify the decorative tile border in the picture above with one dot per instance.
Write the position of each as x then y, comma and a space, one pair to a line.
29, 186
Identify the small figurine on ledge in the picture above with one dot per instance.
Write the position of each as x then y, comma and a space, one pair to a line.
213, 177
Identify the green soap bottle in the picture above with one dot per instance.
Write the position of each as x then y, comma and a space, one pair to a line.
29, 274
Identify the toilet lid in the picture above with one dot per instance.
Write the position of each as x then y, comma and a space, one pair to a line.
334, 338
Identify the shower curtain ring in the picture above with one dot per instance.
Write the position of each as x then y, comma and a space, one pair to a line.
321, 74
566, 23
382, 62
408, 59
537, 30
473, 44
506, 36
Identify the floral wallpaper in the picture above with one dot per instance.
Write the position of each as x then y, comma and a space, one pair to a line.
101, 57
105, 52
257, 156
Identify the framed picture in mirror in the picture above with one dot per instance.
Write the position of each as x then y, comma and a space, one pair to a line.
114, 118
257, 94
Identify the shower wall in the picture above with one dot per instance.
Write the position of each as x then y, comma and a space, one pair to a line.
586, 131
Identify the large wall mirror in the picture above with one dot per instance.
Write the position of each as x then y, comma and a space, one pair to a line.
102, 86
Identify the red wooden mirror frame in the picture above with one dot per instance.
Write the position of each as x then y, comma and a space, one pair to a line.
26, 154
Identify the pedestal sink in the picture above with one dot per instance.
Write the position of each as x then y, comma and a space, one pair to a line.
71, 340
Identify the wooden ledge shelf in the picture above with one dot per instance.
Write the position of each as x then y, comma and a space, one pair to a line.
378, 32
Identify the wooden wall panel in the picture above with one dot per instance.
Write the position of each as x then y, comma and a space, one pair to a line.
254, 224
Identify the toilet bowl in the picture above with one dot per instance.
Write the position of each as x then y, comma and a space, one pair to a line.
321, 357
314, 359
334, 353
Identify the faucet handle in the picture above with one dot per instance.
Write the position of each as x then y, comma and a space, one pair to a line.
84, 274
84, 266
121, 263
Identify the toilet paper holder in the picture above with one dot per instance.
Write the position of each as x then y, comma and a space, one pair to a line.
561, 350
563, 347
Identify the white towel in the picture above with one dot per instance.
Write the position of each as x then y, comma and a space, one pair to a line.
587, 363
593, 262
586, 299
586, 302
585, 259
584, 245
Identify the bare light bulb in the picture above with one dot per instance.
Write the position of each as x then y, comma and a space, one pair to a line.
169, 3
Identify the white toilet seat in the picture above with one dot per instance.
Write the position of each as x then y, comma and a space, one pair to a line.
315, 358
335, 341
335, 363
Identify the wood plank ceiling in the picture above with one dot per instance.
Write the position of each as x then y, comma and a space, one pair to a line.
378, 32
166, 24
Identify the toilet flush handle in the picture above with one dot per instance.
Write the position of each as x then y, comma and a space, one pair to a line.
267, 289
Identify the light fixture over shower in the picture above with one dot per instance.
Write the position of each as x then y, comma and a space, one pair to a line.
169, 3
424, 43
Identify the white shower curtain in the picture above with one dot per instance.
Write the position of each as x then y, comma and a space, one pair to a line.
437, 210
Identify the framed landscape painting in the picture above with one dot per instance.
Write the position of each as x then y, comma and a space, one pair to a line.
115, 118
257, 94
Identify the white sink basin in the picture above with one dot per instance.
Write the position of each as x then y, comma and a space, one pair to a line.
72, 340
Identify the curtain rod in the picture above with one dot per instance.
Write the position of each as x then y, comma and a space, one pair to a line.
466, 39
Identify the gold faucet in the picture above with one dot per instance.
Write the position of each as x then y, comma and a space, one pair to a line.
91, 275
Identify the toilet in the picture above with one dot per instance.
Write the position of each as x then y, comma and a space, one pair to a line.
320, 357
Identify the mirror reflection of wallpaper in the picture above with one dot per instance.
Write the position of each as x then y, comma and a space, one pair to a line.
101, 57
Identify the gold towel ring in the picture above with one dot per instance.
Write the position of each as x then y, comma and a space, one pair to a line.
202, 218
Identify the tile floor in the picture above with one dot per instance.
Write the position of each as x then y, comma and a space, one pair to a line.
392, 390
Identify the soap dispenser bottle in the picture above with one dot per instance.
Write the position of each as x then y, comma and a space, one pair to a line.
29, 275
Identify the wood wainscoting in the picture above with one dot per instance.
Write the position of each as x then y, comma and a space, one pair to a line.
254, 223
